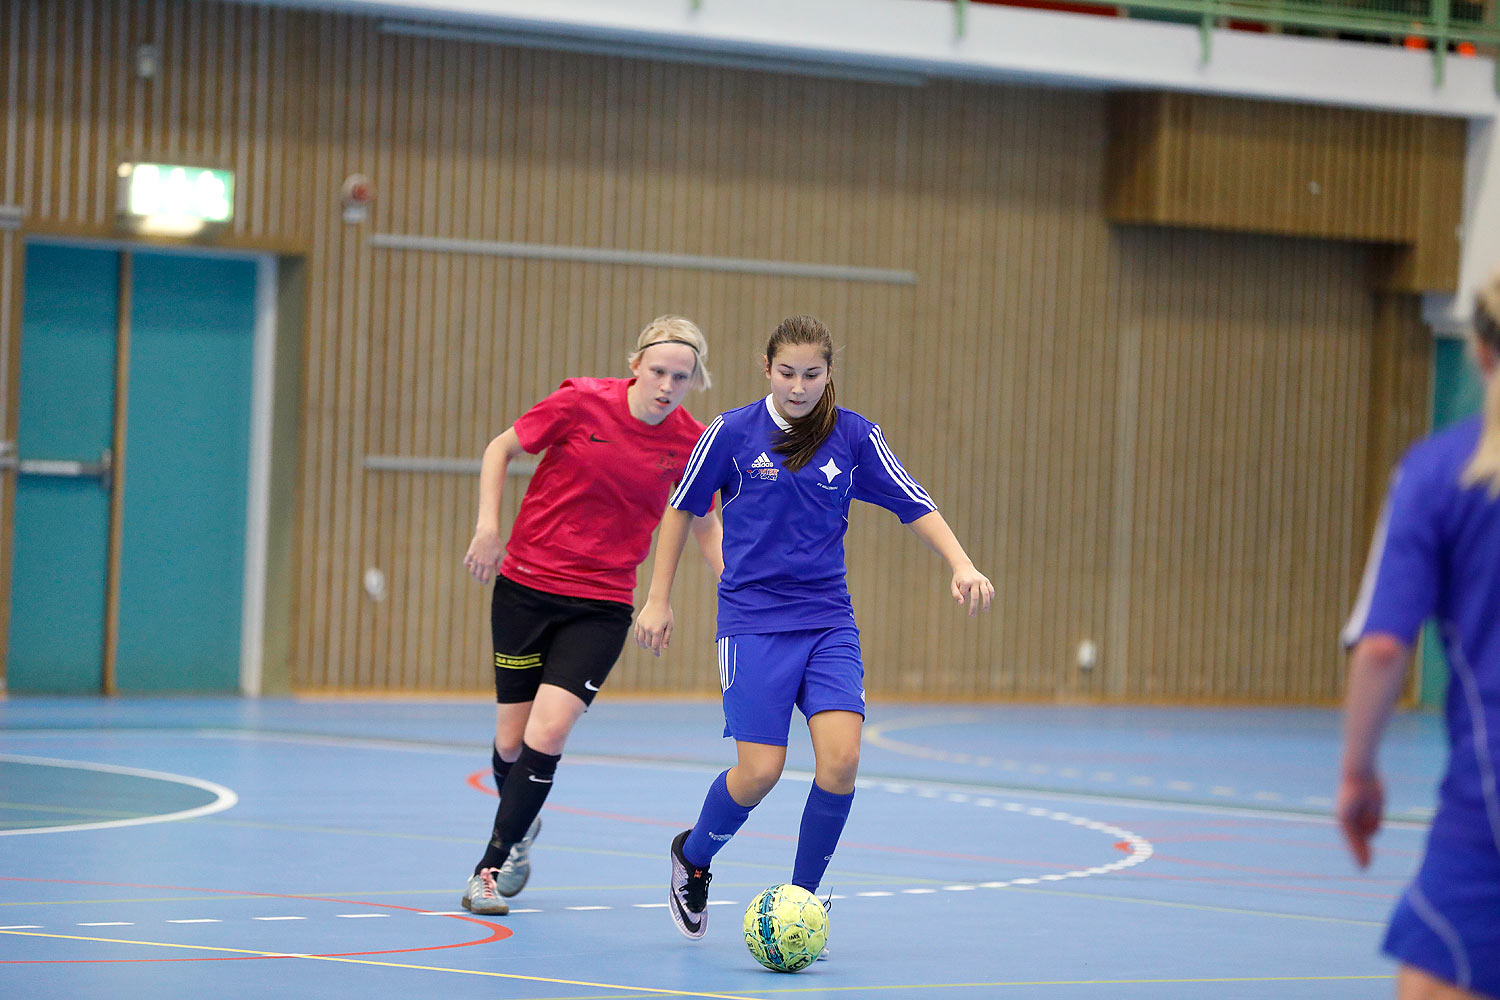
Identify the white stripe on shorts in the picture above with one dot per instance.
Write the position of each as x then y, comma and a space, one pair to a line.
729, 658
1462, 974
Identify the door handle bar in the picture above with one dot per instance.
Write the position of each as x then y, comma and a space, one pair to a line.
102, 470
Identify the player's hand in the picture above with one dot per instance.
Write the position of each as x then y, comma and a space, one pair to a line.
973, 588
653, 627
1361, 802
483, 558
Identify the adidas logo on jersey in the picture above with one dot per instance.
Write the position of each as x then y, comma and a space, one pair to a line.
764, 468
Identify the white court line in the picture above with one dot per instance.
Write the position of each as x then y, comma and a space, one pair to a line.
224, 798
891, 783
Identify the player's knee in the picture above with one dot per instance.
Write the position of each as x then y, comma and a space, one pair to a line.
837, 769
548, 733
547, 739
756, 779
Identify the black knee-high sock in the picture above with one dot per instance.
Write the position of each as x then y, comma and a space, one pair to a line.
521, 798
500, 767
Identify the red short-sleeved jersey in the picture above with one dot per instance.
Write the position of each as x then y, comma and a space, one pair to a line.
585, 523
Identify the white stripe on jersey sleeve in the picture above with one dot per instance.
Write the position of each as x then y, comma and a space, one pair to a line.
1361, 613
695, 460
894, 469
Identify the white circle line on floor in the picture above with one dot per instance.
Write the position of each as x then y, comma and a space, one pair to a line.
224, 798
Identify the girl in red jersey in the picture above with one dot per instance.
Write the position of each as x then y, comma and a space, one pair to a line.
563, 595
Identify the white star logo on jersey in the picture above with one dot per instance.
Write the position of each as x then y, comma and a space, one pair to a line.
764, 462
830, 470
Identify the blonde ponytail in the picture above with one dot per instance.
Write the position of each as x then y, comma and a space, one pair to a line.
1484, 465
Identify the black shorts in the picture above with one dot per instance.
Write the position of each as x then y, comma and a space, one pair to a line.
569, 642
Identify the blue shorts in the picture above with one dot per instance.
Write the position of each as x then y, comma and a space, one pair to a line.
764, 675
1448, 921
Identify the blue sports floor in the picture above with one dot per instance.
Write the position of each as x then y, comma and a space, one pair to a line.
191, 848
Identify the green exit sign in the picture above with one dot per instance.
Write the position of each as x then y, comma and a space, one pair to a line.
176, 196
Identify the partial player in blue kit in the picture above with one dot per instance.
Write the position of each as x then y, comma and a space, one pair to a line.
787, 467
1437, 554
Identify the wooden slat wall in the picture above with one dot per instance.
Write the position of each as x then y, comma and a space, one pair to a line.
1153, 439
1293, 169
1257, 358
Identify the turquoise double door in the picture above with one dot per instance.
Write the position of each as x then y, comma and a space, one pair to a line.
167, 427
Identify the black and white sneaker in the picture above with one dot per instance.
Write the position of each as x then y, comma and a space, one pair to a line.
687, 894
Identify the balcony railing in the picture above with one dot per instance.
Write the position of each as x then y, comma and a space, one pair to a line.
1445, 27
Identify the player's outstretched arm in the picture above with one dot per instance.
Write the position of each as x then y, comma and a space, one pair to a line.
653, 626
969, 586
1377, 675
483, 558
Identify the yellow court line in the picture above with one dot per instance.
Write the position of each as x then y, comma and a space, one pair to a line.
649, 990
1082, 982
86, 811
654, 991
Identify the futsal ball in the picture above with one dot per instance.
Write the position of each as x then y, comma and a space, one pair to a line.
786, 928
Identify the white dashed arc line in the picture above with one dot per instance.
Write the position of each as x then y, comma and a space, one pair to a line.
1139, 849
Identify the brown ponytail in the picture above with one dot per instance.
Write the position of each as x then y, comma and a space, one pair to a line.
798, 445
1484, 466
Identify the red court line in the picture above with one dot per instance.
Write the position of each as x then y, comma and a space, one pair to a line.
498, 932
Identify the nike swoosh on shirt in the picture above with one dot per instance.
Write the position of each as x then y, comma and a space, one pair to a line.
600, 440
539, 781
590, 685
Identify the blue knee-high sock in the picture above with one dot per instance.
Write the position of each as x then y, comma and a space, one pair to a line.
823, 820
720, 819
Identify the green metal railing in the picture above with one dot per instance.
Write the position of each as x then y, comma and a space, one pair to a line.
1439, 24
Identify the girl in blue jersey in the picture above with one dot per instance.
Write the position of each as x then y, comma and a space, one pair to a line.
1437, 553
787, 465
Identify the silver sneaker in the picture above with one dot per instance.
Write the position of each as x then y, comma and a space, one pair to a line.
511, 877
687, 893
481, 897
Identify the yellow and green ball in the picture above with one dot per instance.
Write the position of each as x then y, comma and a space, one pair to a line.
786, 928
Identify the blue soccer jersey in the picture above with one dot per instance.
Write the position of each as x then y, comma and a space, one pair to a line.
1436, 554
784, 531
